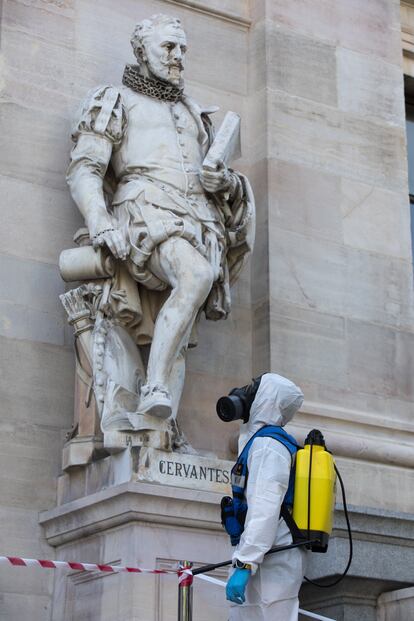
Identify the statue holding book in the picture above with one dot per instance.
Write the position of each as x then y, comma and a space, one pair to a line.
169, 226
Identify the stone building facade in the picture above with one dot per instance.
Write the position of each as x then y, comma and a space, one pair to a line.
327, 299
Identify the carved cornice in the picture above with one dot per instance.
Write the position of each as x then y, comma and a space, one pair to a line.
207, 9
359, 435
132, 502
166, 507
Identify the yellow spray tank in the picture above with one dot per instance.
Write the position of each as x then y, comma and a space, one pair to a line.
314, 496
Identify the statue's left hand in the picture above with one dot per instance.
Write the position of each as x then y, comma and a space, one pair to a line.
216, 181
114, 240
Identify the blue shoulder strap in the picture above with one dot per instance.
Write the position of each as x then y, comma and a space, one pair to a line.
271, 431
240, 470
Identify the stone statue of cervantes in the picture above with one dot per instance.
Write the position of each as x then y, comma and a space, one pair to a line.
169, 226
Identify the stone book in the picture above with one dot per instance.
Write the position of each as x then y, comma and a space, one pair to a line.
226, 144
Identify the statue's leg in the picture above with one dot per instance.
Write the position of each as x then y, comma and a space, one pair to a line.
190, 277
176, 381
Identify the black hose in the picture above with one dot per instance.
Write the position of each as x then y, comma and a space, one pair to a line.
205, 568
309, 485
351, 549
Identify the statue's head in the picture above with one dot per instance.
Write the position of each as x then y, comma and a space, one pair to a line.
159, 43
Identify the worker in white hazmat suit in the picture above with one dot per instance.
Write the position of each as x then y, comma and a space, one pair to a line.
264, 588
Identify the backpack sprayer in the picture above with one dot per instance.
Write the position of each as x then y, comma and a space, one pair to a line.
310, 520
315, 489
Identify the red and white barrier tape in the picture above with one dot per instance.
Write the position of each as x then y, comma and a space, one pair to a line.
183, 574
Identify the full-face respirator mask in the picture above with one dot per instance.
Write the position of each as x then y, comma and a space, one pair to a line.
236, 406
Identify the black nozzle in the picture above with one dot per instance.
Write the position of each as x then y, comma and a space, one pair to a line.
316, 438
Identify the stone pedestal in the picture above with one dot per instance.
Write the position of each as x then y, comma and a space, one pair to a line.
142, 507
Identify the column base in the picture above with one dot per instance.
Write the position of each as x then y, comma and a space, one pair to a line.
383, 561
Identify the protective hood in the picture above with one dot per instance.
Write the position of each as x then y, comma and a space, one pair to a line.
276, 402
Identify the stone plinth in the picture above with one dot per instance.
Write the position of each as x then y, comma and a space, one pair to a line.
184, 470
149, 465
142, 507
137, 524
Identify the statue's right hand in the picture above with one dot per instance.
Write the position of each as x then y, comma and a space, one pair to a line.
114, 240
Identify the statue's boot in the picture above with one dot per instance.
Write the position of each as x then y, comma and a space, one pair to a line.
155, 401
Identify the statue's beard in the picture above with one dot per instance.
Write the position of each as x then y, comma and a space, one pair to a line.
168, 72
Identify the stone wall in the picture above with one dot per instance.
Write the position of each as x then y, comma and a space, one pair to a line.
338, 300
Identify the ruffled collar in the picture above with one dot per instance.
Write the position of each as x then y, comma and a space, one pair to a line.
150, 86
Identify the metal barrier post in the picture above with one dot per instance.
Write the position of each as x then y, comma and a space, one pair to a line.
185, 593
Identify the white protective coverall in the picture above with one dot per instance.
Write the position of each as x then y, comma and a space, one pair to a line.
272, 591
